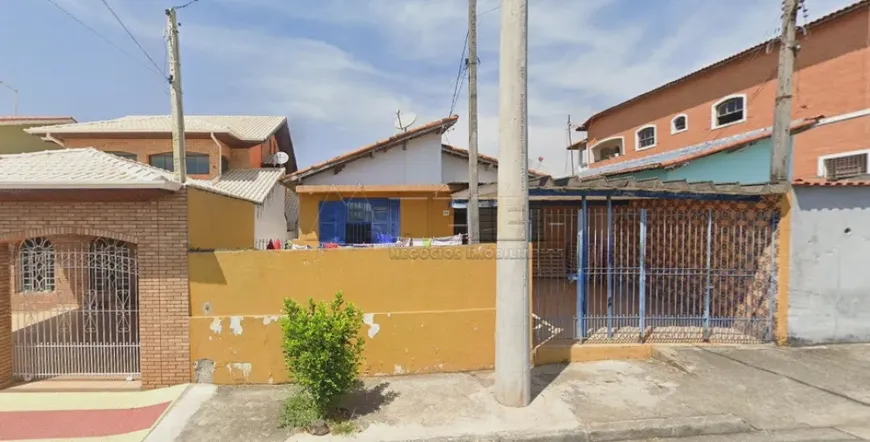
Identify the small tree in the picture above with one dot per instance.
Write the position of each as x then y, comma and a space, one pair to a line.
323, 348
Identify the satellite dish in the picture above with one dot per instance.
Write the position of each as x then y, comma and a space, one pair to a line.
404, 120
279, 158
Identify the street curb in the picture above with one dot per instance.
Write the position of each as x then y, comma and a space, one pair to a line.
617, 431
172, 421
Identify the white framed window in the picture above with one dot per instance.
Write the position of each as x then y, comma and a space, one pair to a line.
679, 123
645, 137
36, 266
606, 149
844, 165
728, 111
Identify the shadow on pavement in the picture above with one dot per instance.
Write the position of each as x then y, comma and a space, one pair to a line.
363, 401
543, 376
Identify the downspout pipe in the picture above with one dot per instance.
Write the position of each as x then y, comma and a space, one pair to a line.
53, 139
220, 155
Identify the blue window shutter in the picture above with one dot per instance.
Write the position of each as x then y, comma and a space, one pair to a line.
394, 218
331, 221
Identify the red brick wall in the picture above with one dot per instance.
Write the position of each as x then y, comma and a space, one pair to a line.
238, 158
831, 78
158, 227
5, 320
844, 136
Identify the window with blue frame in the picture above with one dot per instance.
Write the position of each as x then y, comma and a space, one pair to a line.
359, 221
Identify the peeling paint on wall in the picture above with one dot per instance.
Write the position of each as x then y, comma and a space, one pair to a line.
369, 320
236, 325
269, 319
203, 371
398, 369
216, 326
243, 367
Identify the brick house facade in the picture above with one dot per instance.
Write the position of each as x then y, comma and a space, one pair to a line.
155, 225
830, 80
227, 142
93, 261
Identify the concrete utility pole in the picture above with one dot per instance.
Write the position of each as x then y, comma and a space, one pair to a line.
473, 210
779, 164
512, 322
15, 98
179, 153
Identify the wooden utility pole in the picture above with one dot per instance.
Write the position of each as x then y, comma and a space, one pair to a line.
512, 315
779, 155
473, 210
179, 153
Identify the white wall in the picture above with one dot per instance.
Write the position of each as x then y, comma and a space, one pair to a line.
291, 211
829, 284
270, 221
455, 170
418, 163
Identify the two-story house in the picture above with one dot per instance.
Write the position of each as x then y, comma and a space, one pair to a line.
232, 155
728, 106
715, 125
13, 138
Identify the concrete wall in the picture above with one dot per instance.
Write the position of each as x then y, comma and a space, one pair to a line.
419, 162
423, 313
219, 222
270, 220
748, 165
421, 214
829, 285
455, 170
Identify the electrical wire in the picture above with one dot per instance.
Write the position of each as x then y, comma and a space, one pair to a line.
185, 5
135, 40
103, 37
457, 83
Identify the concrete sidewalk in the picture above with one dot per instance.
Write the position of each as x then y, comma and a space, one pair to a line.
797, 394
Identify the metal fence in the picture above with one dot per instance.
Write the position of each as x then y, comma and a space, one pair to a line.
75, 309
615, 273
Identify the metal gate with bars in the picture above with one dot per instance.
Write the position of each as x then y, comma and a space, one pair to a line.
75, 309
609, 272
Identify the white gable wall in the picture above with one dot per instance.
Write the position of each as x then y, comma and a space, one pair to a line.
419, 163
270, 219
455, 170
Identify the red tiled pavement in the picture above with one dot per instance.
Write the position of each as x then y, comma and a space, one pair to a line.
24, 425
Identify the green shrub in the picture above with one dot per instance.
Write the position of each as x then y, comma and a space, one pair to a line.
299, 411
323, 348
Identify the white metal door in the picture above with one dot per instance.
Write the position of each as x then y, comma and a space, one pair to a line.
75, 309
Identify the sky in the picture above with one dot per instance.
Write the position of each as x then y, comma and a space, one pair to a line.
341, 69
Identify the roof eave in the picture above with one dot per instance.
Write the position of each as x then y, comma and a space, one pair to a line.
89, 185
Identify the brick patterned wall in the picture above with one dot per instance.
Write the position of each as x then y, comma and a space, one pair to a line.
5, 319
158, 227
831, 78
238, 158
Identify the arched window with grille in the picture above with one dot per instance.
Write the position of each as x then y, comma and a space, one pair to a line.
36, 266
112, 267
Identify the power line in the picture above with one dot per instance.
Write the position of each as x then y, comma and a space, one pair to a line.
457, 83
127, 30
103, 37
186, 4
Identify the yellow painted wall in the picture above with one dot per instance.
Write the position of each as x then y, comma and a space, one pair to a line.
429, 310
219, 222
421, 214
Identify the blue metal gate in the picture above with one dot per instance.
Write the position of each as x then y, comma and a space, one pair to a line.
655, 274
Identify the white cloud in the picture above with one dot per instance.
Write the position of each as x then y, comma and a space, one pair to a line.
584, 56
